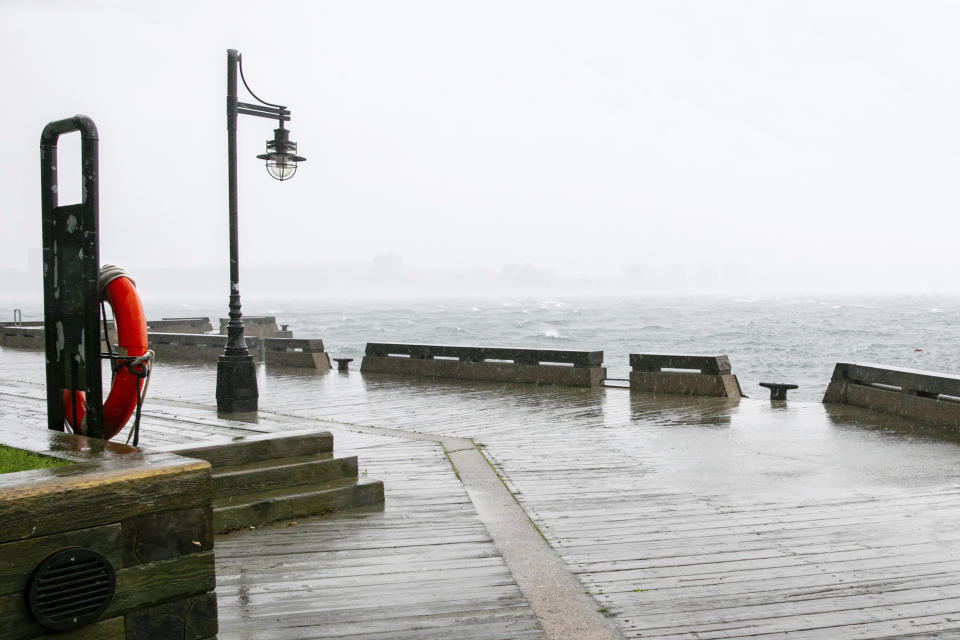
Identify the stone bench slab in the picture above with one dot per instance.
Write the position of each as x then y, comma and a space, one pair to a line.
488, 371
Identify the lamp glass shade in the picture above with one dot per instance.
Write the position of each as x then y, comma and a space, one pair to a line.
281, 166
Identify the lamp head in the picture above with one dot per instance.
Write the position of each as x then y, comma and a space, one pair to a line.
281, 156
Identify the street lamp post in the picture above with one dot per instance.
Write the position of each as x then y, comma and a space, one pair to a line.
236, 373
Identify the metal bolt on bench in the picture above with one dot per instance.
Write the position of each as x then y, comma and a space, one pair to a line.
778, 390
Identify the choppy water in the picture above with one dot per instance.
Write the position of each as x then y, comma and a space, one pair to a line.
782, 339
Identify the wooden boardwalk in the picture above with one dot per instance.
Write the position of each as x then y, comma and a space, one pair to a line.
694, 518
423, 567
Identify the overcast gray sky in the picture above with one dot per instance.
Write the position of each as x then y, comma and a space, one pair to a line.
579, 136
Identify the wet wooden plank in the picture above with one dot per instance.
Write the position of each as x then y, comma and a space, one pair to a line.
423, 567
111, 629
73, 501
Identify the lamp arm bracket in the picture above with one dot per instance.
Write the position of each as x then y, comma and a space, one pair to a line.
257, 98
278, 113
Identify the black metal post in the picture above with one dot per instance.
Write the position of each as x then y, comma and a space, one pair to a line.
71, 294
236, 372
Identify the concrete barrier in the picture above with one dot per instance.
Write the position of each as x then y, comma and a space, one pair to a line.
294, 352
194, 347
498, 364
691, 375
922, 395
32, 336
180, 325
259, 327
189, 347
22, 337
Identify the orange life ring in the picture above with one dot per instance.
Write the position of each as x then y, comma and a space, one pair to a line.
119, 291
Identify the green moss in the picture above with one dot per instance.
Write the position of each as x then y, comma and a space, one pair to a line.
456, 471
19, 460
536, 527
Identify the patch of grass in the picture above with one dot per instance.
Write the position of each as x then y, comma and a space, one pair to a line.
12, 460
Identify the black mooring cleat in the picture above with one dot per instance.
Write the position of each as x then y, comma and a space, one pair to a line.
778, 390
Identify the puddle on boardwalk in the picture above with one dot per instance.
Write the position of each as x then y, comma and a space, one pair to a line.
798, 449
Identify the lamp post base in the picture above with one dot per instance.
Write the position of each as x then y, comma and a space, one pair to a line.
237, 384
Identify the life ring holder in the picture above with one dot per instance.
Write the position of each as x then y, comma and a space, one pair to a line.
131, 365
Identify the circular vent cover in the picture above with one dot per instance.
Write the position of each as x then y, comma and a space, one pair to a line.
70, 588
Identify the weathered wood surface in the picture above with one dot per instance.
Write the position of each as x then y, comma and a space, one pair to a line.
136, 586
166, 535
73, 500
162, 581
254, 448
19, 559
111, 629
234, 512
684, 517
282, 473
422, 567
186, 619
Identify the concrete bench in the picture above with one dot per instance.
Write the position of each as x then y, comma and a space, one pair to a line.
194, 347
499, 364
180, 325
912, 393
259, 327
23, 337
33, 337
684, 374
295, 352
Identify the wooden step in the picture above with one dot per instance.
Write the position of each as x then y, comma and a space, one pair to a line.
269, 506
267, 475
263, 447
